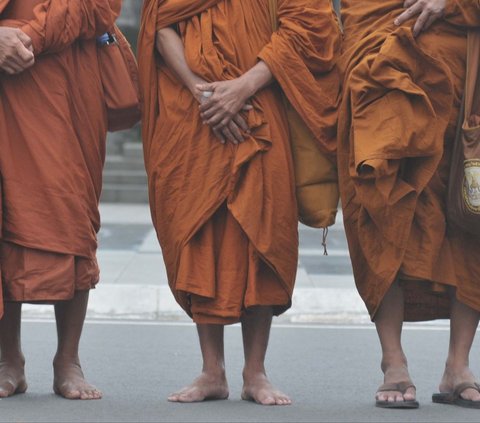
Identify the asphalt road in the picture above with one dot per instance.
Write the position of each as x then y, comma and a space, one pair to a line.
330, 372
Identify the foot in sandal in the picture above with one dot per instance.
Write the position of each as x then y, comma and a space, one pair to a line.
397, 391
458, 387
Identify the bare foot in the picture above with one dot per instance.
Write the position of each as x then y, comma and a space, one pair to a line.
454, 377
69, 382
257, 388
12, 378
205, 387
396, 374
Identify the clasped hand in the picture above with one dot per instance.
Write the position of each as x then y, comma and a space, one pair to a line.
222, 109
429, 11
16, 51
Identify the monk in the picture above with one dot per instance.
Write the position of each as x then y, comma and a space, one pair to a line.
52, 152
219, 164
403, 66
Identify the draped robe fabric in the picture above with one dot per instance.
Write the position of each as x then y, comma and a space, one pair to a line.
397, 121
52, 132
226, 215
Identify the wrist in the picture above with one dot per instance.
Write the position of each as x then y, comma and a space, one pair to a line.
37, 41
248, 86
192, 83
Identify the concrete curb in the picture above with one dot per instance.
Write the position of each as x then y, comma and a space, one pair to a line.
134, 281
154, 302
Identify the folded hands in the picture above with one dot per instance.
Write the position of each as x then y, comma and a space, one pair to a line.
16, 51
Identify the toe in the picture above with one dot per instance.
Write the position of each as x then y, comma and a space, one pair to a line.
95, 394
7, 390
263, 398
268, 401
380, 396
74, 394
183, 398
177, 396
189, 396
471, 395
409, 395
283, 400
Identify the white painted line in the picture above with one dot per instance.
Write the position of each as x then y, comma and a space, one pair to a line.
409, 327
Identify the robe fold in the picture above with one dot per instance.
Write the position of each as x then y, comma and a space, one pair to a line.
53, 130
397, 121
203, 194
464, 13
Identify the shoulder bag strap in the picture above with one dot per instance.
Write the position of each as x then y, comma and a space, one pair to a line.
472, 84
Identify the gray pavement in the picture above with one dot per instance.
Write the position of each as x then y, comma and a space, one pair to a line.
331, 372
138, 345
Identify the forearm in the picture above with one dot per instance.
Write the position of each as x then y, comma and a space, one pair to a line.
172, 50
257, 78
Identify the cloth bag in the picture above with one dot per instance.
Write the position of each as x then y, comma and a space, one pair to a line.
463, 200
119, 75
316, 177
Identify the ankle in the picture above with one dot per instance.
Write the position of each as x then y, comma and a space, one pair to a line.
216, 372
453, 366
61, 359
254, 372
393, 359
14, 359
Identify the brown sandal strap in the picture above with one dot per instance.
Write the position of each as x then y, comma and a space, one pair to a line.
396, 387
461, 387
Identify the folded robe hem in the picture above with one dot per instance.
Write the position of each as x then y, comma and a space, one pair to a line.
50, 300
283, 307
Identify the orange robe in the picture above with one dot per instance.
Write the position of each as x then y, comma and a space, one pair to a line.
52, 132
226, 215
401, 100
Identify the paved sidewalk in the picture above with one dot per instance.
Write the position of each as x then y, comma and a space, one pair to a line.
134, 283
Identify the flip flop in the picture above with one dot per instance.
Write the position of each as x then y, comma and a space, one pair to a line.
397, 387
455, 397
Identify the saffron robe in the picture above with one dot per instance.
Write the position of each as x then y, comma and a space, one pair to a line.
52, 132
226, 215
401, 99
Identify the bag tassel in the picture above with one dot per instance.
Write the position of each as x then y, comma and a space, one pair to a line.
324, 241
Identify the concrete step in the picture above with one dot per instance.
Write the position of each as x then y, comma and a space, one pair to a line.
133, 150
117, 162
124, 193
124, 176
